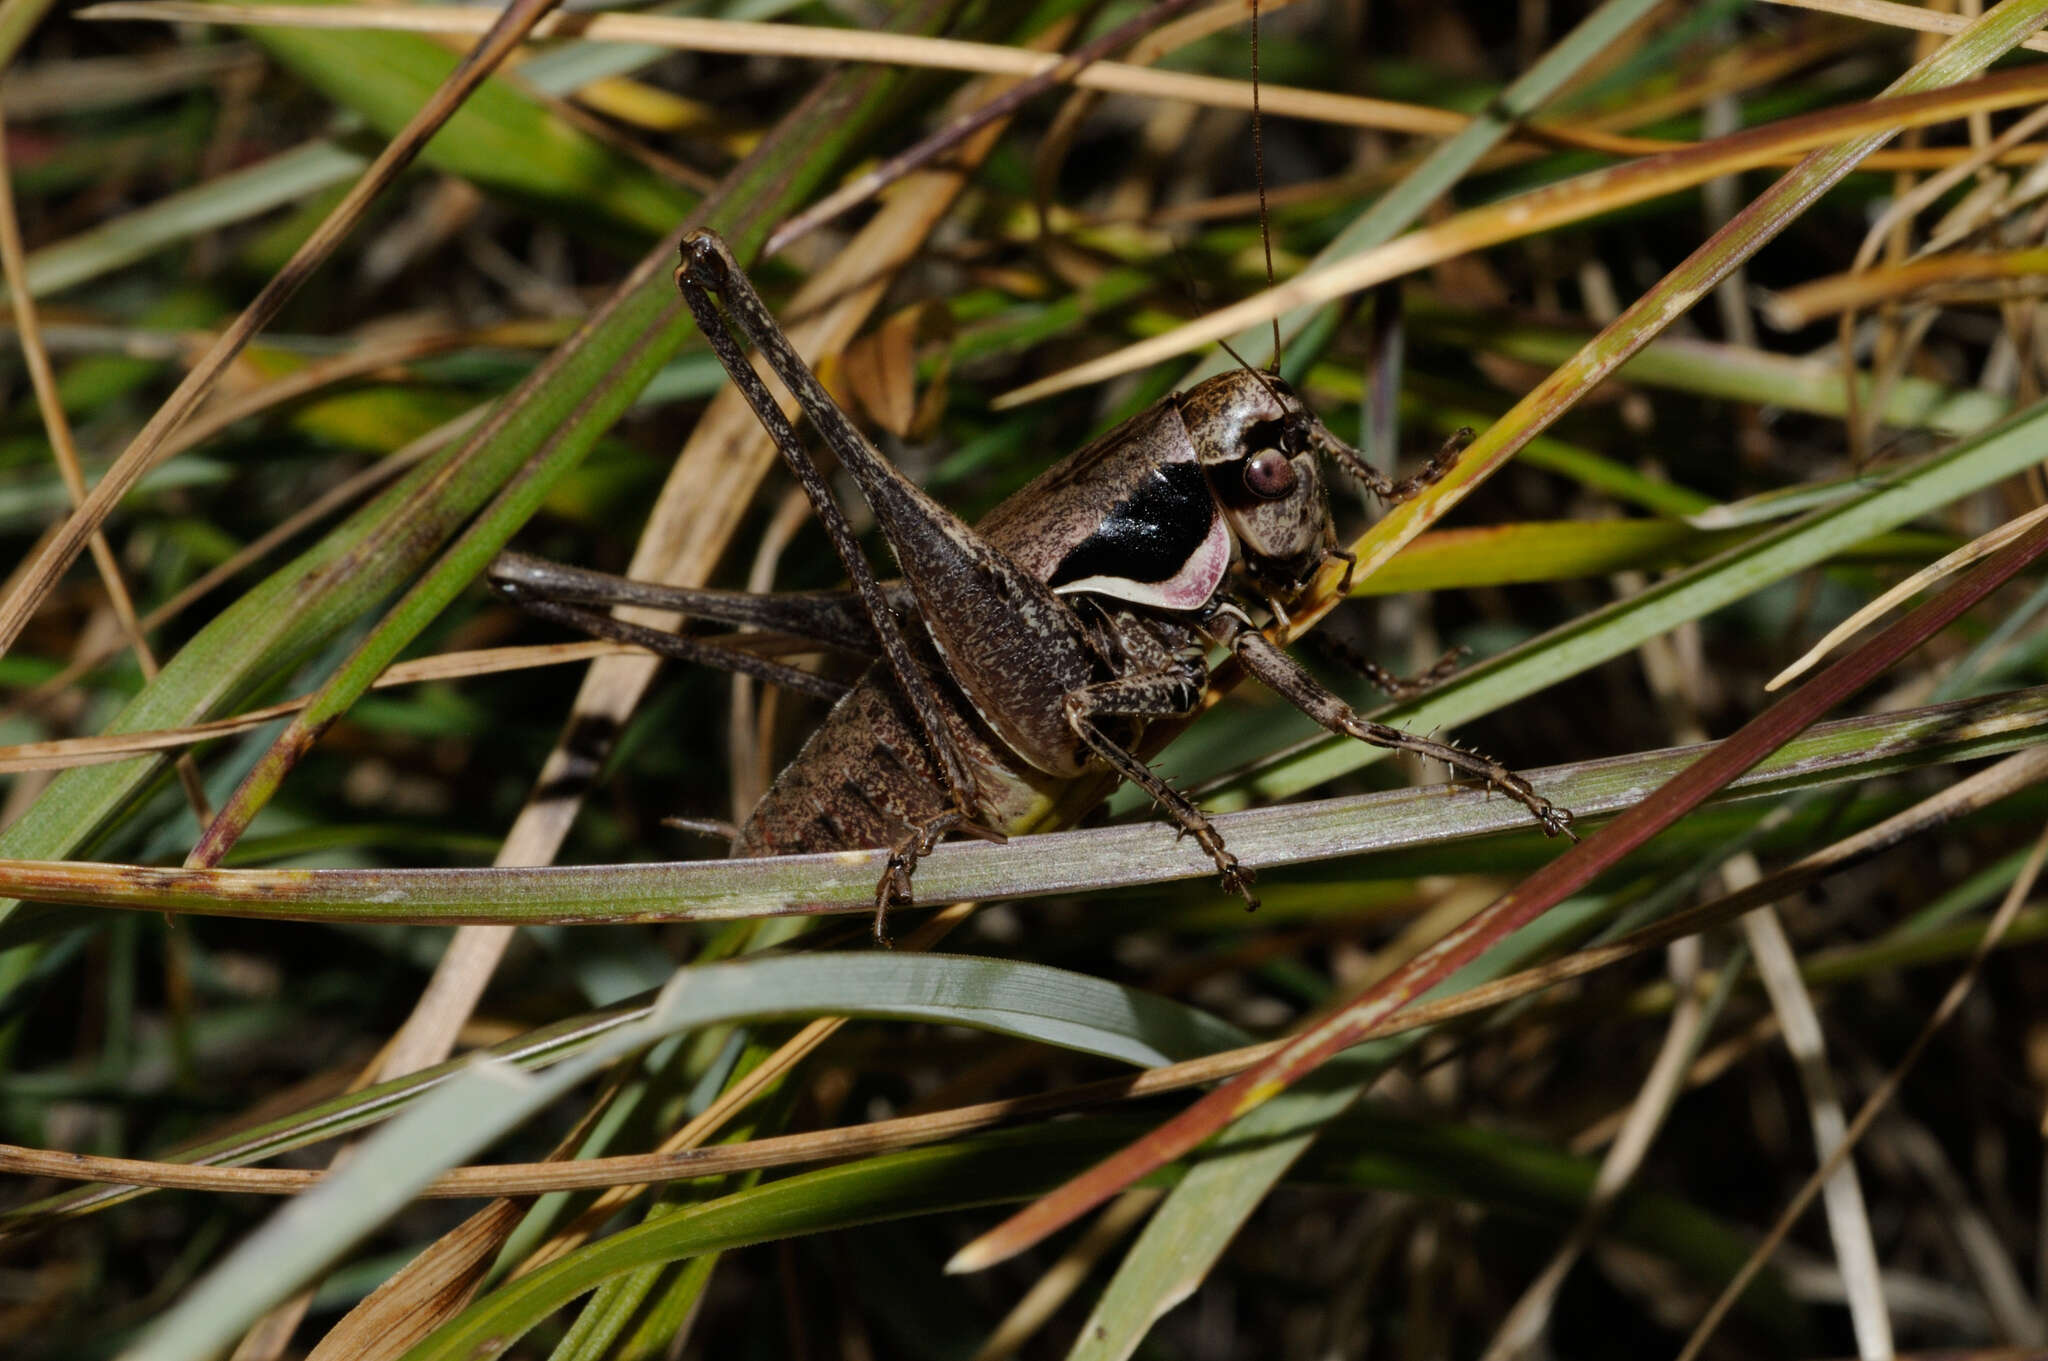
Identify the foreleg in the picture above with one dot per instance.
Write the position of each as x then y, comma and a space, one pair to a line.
1384, 487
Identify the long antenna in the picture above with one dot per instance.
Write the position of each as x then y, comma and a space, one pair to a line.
1259, 174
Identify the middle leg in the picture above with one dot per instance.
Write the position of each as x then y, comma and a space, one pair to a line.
1170, 687
1284, 676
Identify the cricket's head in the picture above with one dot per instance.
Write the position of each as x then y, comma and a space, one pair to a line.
1258, 446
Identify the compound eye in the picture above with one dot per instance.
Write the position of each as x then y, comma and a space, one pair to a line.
1269, 475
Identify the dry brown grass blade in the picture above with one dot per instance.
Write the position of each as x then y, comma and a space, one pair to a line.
426, 1291
1552, 206
956, 130
828, 44
54, 558
1981, 547
1895, 15
64, 450
1792, 308
64, 752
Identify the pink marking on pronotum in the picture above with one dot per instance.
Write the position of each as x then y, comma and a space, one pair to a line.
1192, 587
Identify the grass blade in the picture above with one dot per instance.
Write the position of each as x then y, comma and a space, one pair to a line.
1854, 749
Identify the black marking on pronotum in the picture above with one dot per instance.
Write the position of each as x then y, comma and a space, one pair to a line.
1151, 533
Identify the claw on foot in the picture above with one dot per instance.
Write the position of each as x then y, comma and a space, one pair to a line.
892, 891
1238, 879
1555, 821
917, 842
1350, 561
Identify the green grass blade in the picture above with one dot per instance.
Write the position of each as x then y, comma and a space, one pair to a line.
1560, 550
502, 140
235, 197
